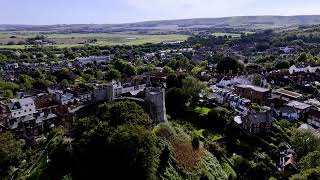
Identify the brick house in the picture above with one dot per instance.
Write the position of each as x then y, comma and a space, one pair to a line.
257, 123
256, 94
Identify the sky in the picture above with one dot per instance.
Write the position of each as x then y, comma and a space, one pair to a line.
46, 12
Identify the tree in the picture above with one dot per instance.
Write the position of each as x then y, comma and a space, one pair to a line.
229, 64
103, 152
192, 86
311, 160
69, 55
253, 67
282, 65
217, 118
26, 81
10, 152
130, 70
136, 150
125, 68
303, 57
119, 65
167, 70
8, 94
113, 74
172, 81
42, 84
52, 55
124, 112
99, 75
65, 74
60, 155
8, 86
164, 159
304, 142
195, 142
176, 101
310, 174
3, 58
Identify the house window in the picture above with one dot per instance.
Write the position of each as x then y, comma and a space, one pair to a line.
30, 110
25, 110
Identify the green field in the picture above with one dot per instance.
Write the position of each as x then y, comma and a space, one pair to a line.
234, 35
71, 40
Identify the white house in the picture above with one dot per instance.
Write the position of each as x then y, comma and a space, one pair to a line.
226, 81
94, 59
62, 97
287, 50
22, 107
306, 69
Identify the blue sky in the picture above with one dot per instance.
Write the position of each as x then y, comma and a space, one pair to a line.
121, 11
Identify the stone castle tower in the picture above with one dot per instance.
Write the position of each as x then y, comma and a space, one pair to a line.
155, 102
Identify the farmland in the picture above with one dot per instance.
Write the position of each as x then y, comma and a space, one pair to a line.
235, 35
100, 39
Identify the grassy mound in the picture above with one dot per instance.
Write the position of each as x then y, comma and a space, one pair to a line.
185, 161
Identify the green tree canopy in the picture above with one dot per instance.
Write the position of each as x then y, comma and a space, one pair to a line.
11, 152
192, 86
113, 74
282, 65
26, 81
311, 160
229, 64
310, 174
304, 142
168, 70
124, 112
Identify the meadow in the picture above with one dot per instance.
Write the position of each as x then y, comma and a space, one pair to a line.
102, 39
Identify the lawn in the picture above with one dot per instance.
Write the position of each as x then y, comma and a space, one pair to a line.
202, 110
102, 39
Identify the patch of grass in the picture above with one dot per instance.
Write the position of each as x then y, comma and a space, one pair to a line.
186, 162
203, 111
106, 39
15, 46
215, 137
228, 169
199, 133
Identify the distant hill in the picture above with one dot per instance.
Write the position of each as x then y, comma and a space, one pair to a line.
254, 22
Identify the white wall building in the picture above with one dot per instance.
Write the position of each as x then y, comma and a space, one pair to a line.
306, 69
94, 59
22, 107
226, 81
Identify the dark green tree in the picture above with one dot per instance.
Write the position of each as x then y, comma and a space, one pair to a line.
229, 64
124, 112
